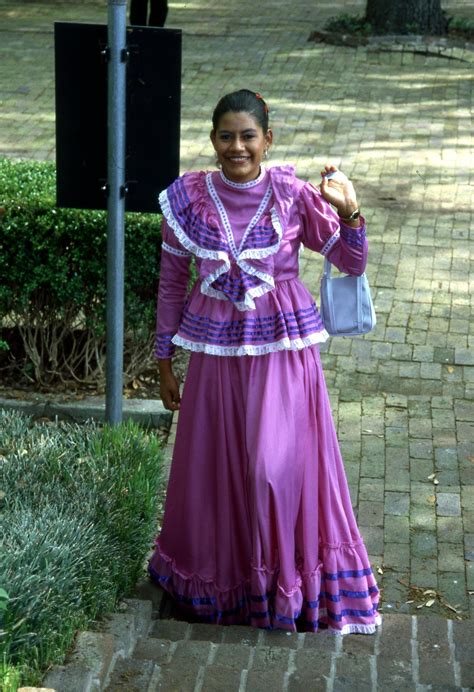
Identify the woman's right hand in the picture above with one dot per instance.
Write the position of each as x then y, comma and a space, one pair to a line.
169, 387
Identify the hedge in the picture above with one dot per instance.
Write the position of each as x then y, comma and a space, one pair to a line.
77, 518
53, 281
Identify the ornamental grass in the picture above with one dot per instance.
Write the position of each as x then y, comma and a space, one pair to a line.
77, 517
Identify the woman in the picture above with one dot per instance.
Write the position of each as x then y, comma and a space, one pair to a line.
258, 524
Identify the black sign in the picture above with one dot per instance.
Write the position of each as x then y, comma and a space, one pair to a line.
153, 104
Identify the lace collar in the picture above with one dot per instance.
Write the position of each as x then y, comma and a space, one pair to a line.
244, 186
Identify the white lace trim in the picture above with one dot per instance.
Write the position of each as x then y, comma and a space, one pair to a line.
225, 219
222, 256
329, 243
261, 253
183, 238
354, 628
285, 344
175, 251
244, 186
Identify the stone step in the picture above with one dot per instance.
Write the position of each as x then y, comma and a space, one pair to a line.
96, 654
136, 653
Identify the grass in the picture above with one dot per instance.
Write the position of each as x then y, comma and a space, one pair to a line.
78, 509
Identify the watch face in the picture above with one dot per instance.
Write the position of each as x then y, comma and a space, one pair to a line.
355, 215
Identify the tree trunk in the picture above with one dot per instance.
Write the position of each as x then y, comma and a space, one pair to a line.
406, 17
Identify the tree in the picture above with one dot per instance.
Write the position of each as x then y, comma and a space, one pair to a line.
406, 17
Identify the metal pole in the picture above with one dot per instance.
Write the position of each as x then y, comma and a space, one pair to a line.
115, 209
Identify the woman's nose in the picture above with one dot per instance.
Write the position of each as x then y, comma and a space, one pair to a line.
238, 143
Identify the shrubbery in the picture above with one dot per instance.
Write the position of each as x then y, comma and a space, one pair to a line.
78, 511
53, 281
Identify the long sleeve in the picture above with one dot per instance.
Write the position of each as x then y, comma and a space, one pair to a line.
324, 232
174, 279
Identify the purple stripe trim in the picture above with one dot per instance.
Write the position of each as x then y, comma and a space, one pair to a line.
287, 620
250, 336
292, 326
293, 315
196, 229
353, 237
343, 593
348, 574
207, 601
164, 347
337, 617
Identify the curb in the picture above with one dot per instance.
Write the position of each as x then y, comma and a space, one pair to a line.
149, 413
443, 47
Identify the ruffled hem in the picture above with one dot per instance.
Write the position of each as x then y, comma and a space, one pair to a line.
333, 597
285, 344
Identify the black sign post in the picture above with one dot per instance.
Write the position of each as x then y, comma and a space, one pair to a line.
117, 140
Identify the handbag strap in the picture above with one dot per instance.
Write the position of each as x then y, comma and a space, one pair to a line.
327, 267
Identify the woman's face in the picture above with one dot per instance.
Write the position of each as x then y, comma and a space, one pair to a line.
240, 145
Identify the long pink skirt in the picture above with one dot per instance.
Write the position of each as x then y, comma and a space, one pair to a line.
258, 525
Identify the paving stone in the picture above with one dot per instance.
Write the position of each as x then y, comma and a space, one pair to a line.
221, 677
131, 676
207, 633
247, 636
174, 630
397, 529
448, 505
397, 503
233, 655
153, 649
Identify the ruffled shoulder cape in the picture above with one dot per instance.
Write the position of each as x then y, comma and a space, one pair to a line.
240, 274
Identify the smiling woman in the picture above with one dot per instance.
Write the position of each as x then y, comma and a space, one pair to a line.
258, 524
240, 135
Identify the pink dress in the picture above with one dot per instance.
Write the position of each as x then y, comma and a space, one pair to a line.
258, 525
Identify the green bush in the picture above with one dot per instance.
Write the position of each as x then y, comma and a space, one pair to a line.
77, 519
53, 281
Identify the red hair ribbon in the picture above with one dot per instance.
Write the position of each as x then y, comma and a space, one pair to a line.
259, 96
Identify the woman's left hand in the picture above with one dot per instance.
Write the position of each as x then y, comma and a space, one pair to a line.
338, 191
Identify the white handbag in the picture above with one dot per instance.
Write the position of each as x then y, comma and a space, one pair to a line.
346, 305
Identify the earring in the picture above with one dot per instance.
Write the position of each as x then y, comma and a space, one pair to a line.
265, 154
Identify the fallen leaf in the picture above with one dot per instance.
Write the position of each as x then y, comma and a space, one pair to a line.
430, 477
420, 606
450, 369
431, 499
429, 592
380, 570
436, 481
430, 602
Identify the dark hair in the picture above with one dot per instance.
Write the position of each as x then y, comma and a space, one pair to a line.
242, 101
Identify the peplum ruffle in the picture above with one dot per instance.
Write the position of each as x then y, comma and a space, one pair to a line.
287, 318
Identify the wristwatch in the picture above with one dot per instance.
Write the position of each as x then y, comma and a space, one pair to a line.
353, 217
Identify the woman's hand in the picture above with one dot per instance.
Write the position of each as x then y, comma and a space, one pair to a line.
169, 387
338, 191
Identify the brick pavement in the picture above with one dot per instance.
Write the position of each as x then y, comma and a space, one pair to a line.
400, 125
